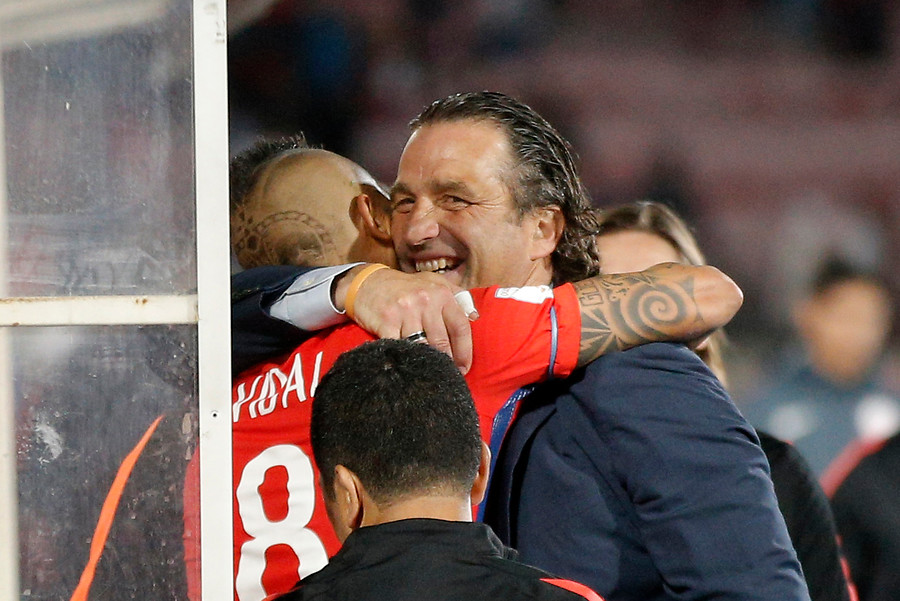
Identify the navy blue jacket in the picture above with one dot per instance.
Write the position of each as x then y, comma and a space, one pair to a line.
255, 335
639, 477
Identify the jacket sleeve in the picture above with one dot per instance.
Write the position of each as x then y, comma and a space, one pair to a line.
255, 334
695, 475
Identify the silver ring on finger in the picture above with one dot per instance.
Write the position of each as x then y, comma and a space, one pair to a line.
417, 337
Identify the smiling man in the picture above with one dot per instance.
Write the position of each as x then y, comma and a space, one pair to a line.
459, 221
467, 202
642, 459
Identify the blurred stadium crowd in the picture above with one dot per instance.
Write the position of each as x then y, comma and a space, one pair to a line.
773, 126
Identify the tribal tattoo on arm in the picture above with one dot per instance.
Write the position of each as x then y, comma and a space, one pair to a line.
667, 302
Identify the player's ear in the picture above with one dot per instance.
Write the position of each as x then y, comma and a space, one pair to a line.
371, 208
479, 487
547, 229
348, 504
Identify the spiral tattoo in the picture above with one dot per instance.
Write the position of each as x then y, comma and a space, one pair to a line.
619, 312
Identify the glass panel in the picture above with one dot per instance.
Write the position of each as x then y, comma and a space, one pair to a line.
84, 397
98, 145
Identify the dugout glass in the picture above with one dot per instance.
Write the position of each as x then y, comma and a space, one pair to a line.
99, 153
84, 399
113, 342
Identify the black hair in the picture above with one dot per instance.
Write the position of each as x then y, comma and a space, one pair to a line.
400, 416
545, 170
244, 168
835, 269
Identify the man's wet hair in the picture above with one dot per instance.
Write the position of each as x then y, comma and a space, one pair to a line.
545, 172
400, 416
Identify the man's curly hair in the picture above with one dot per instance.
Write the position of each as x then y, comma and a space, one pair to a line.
546, 172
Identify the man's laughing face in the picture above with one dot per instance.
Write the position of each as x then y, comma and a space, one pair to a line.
453, 211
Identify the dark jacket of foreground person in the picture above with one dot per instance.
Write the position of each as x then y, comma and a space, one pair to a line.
431, 559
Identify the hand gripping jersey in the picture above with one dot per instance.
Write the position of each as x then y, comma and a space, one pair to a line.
281, 530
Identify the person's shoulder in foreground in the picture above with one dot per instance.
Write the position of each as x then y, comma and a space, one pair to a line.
432, 559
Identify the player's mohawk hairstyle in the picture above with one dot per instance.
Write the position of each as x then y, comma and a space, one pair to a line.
244, 166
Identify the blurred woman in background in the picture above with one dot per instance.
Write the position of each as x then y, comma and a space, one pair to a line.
635, 236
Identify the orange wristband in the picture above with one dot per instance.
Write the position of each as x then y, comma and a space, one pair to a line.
353, 289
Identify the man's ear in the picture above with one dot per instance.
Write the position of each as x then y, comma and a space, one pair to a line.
348, 503
479, 487
548, 229
371, 212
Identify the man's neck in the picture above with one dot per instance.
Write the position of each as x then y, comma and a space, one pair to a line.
541, 273
451, 508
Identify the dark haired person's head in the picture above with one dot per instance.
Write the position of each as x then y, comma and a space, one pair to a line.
844, 320
296, 205
393, 421
485, 150
834, 270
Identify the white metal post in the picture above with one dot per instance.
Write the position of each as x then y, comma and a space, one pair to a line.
210, 309
9, 513
213, 286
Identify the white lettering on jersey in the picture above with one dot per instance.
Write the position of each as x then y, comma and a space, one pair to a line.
316, 370
527, 294
243, 397
267, 388
295, 382
273, 382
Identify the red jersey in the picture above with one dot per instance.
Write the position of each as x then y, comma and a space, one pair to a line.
281, 530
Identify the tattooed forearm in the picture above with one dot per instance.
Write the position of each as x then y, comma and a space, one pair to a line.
626, 310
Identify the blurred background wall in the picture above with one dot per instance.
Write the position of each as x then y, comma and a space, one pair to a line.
772, 126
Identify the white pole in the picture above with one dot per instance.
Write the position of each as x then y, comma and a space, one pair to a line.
213, 296
9, 513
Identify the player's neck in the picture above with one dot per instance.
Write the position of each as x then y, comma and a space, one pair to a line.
450, 508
